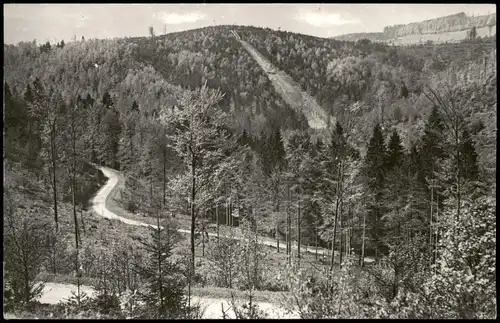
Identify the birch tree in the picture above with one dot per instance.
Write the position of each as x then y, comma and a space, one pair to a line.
199, 138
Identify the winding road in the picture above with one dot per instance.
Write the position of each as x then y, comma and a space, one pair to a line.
54, 293
115, 178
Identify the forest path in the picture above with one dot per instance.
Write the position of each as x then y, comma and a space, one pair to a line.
299, 100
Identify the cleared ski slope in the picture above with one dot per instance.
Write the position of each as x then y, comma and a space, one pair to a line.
299, 100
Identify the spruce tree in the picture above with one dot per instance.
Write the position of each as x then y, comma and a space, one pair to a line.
272, 151
432, 151
109, 140
28, 94
127, 151
375, 158
15, 125
469, 168
7, 95
395, 151
414, 164
89, 101
164, 296
433, 165
374, 171
244, 139
135, 106
278, 148
107, 101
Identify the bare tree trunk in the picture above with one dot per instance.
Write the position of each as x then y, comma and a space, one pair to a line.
351, 235
256, 258
337, 202
362, 260
334, 233
130, 136
316, 243
278, 223
329, 249
160, 290
75, 218
193, 216
430, 222
437, 232
341, 235
230, 214
128, 282
289, 226
298, 229
203, 237
164, 178
231, 261
73, 192
359, 229
457, 175
54, 179
77, 265
82, 219
346, 245
190, 277
217, 219
226, 207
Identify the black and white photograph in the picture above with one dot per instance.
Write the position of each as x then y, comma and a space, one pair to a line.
249, 161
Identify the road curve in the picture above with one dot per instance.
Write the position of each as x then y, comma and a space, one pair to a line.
99, 205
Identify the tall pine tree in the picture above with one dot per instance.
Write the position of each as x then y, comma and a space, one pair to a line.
395, 151
374, 171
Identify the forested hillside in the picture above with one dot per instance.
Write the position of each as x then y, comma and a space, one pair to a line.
388, 83
406, 175
456, 22
452, 28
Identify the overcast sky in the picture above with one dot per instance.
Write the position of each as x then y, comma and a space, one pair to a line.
55, 22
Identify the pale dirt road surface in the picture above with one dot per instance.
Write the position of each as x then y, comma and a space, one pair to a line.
54, 293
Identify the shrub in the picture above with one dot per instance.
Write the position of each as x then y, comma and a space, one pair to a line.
222, 256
